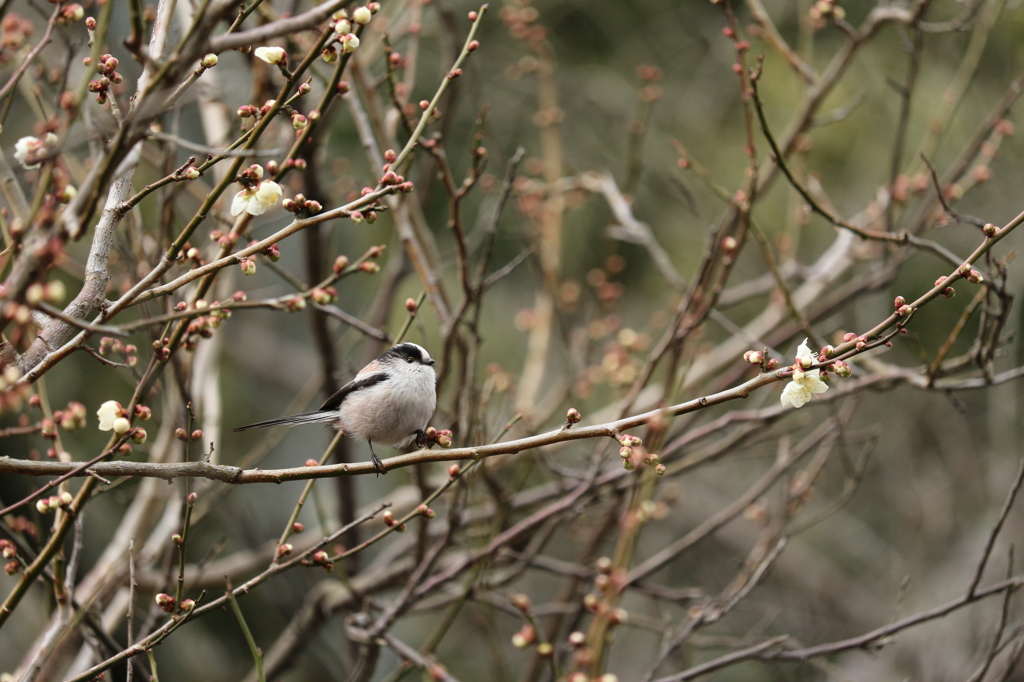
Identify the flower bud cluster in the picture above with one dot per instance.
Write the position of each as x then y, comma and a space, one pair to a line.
526, 636
106, 66
203, 326
31, 151
822, 10
112, 346
47, 504
14, 33
300, 204
165, 602
389, 520
70, 13
71, 417
432, 436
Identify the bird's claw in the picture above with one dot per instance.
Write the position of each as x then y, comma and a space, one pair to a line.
422, 441
378, 465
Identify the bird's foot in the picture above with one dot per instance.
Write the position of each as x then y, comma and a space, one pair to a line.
378, 465
424, 441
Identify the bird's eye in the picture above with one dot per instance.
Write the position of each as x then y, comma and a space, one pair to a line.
410, 358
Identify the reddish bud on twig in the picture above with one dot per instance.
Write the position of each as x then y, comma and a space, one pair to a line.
165, 602
520, 601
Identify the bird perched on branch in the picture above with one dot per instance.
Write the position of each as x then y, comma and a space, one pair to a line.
389, 402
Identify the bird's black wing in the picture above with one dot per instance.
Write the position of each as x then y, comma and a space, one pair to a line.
328, 412
334, 402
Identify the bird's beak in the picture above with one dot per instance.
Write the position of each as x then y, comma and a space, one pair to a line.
429, 362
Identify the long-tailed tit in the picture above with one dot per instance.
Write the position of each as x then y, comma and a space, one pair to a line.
389, 402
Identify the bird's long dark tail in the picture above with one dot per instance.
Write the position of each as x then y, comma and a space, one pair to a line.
304, 418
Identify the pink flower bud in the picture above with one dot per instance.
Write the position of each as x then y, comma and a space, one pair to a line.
453, 471
165, 602
900, 302
990, 230
573, 416
754, 357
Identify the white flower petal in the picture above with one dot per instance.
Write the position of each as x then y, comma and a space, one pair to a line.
271, 55
26, 147
268, 192
108, 413
804, 385
239, 202
254, 207
803, 350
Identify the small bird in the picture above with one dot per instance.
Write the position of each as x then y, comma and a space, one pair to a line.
389, 402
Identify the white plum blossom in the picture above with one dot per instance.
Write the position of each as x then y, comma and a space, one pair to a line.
108, 413
256, 201
804, 384
271, 55
27, 150
362, 15
349, 42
